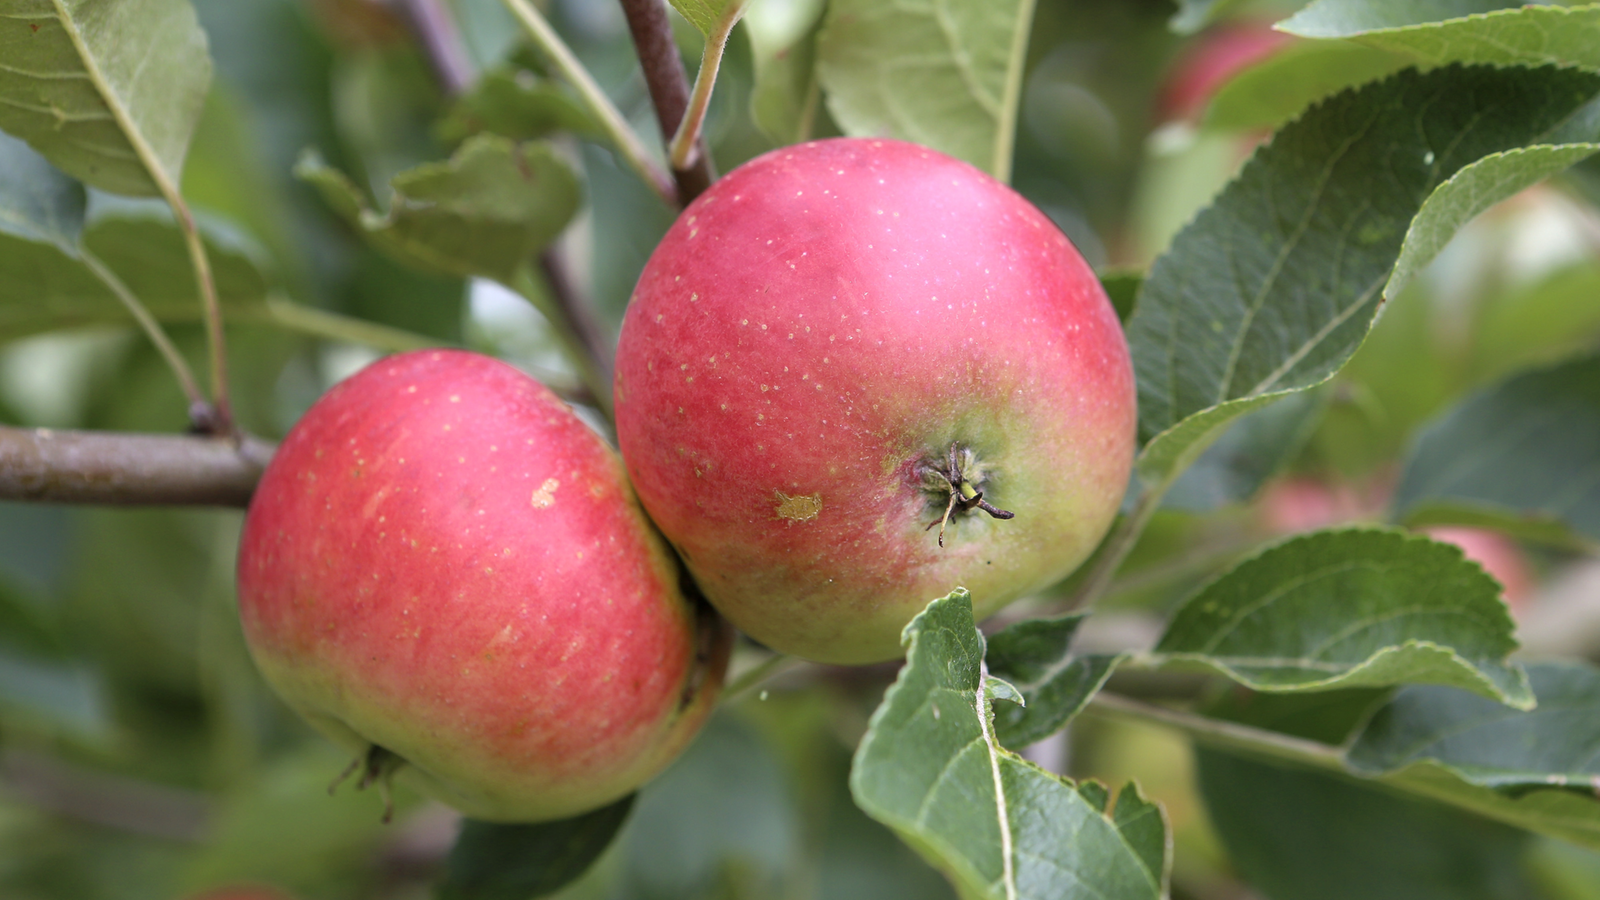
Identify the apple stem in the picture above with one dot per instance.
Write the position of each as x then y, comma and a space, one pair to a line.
965, 493
377, 765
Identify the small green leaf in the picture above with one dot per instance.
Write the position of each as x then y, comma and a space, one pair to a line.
783, 47
1524, 448
492, 861
486, 212
930, 768
1535, 769
948, 75
515, 103
1474, 31
1033, 655
1272, 288
108, 92
1352, 608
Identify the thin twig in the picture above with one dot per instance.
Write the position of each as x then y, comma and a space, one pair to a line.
668, 82
622, 135
597, 340
152, 329
541, 294
767, 669
333, 326
123, 469
686, 143
1217, 732
219, 418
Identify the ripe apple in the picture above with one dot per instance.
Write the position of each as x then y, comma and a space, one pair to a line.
844, 368
445, 572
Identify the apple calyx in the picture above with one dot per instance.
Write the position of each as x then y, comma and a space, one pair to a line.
377, 765
961, 476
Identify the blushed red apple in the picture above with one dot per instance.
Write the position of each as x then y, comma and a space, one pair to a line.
445, 571
838, 345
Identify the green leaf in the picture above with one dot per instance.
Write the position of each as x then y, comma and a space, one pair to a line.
1302, 835
486, 212
44, 287
1352, 608
1524, 448
514, 103
947, 75
492, 861
931, 768
107, 91
1534, 769
783, 47
1272, 288
1033, 655
1553, 747
1444, 31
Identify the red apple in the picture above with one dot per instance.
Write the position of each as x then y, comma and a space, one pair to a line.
1212, 61
445, 571
838, 345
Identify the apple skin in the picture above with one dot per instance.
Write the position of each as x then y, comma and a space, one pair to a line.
441, 560
821, 325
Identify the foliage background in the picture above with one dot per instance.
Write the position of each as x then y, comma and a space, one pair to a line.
141, 757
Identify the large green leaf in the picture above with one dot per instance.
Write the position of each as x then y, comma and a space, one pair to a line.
703, 14
1352, 608
938, 72
930, 767
1535, 769
108, 90
1524, 448
1033, 656
1272, 288
486, 212
1444, 31
1555, 746
492, 861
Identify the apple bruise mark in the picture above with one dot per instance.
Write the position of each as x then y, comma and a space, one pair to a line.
797, 509
545, 496
961, 476
377, 765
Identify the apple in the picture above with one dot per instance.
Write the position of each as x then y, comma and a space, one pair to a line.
1212, 61
445, 571
858, 373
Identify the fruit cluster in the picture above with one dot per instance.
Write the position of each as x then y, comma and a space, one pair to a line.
854, 375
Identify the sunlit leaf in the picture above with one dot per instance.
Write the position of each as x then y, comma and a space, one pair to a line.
1352, 608
1475, 31
783, 46
943, 74
485, 212
1272, 288
108, 92
930, 767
